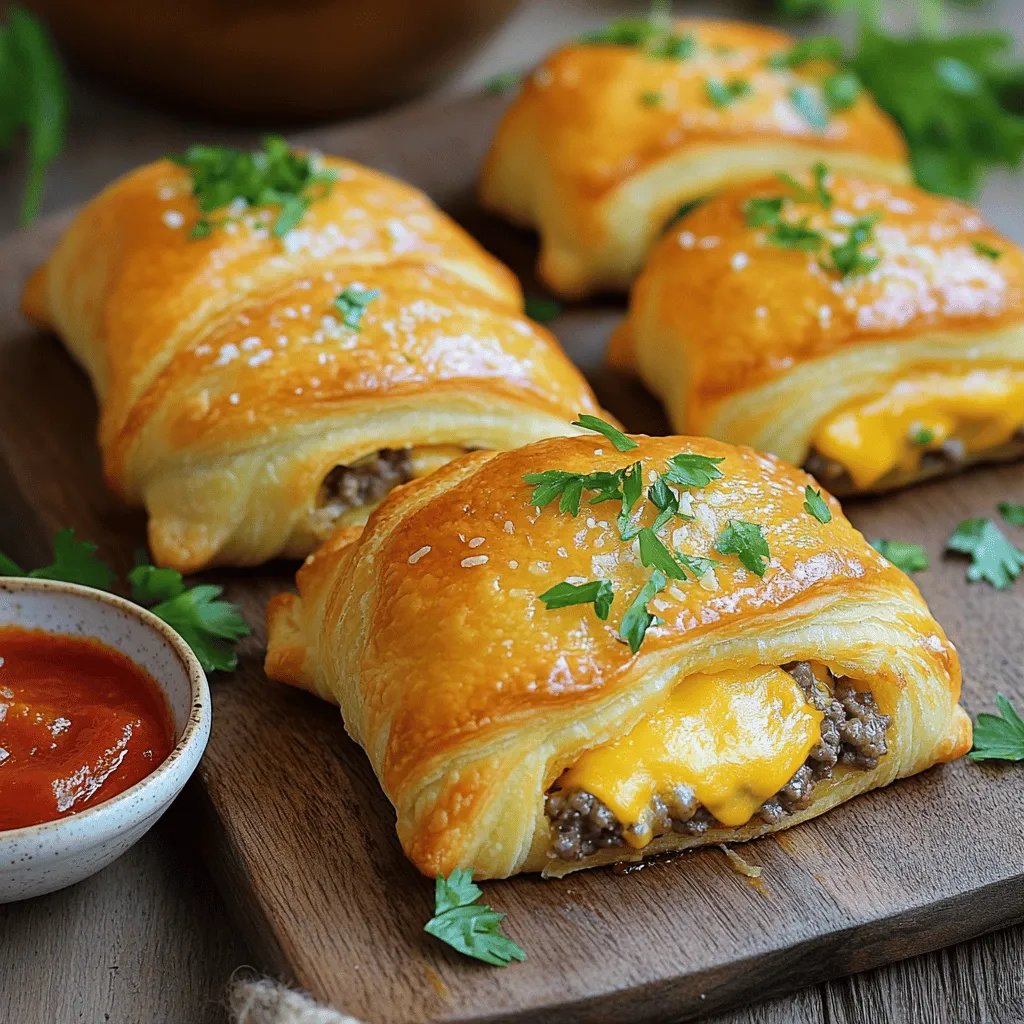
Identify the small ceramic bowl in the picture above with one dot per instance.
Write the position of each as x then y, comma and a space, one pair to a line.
42, 858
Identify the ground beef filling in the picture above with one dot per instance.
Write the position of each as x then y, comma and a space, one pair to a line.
365, 483
852, 733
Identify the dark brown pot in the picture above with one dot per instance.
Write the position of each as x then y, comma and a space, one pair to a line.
263, 59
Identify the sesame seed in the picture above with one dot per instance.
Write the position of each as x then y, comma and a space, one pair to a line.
473, 560
599, 451
173, 219
233, 398
419, 553
476, 542
740, 260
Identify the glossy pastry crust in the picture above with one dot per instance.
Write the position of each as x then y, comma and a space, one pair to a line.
229, 385
471, 698
605, 142
754, 343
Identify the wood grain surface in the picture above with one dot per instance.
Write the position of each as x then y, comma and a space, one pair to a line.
303, 841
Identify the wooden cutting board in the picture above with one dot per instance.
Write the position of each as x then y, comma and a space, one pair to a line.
302, 840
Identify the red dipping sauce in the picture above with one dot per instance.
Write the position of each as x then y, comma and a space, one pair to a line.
79, 723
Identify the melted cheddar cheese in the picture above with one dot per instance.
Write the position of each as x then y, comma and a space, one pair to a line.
734, 738
982, 408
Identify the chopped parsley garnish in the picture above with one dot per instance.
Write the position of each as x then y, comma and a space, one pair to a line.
815, 505
654, 553
698, 566
841, 90
691, 470
33, 98
908, 558
684, 209
998, 737
504, 82
74, 561
467, 926
632, 486
553, 483
651, 98
275, 175
922, 435
847, 258
616, 436
809, 103
352, 303
543, 310
724, 94
1013, 514
763, 210
203, 622
956, 97
746, 541
799, 236
638, 619
673, 47
653, 33
667, 501
983, 249
599, 593
993, 558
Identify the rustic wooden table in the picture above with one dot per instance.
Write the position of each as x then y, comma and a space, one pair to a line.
148, 939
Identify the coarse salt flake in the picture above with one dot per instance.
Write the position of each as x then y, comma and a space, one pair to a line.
472, 560
418, 554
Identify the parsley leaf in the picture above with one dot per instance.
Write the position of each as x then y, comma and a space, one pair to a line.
847, 257
762, 211
571, 495
543, 310
74, 561
638, 619
1013, 514
998, 738
203, 622
698, 566
993, 558
815, 505
654, 553
553, 483
600, 426
908, 558
274, 175
724, 94
841, 90
504, 82
795, 236
352, 303
922, 435
691, 470
596, 592
548, 485
808, 102
33, 97
467, 926
983, 249
651, 98
684, 209
664, 498
815, 48
747, 542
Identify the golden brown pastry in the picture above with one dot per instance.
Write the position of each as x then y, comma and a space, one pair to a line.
781, 665
265, 372
615, 132
872, 333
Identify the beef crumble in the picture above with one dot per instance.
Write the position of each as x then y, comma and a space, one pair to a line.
852, 733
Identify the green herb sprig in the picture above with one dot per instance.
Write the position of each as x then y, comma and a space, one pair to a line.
907, 557
748, 543
351, 305
206, 624
467, 926
33, 100
275, 175
816, 506
993, 558
998, 737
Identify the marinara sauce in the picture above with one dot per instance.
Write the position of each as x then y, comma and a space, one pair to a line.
79, 723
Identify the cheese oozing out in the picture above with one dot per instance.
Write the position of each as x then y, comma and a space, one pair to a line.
982, 408
734, 738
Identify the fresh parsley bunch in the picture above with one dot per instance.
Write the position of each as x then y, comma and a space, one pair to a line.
33, 99
205, 624
951, 95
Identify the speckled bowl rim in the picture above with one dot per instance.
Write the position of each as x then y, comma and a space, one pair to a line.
195, 733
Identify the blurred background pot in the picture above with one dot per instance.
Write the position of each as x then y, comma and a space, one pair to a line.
272, 59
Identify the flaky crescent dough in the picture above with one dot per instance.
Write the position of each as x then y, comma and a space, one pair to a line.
605, 142
228, 385
756, 344
470, 697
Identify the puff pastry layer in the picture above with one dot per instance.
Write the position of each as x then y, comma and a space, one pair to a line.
911, 365
605, 142
230, 386
472, 699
